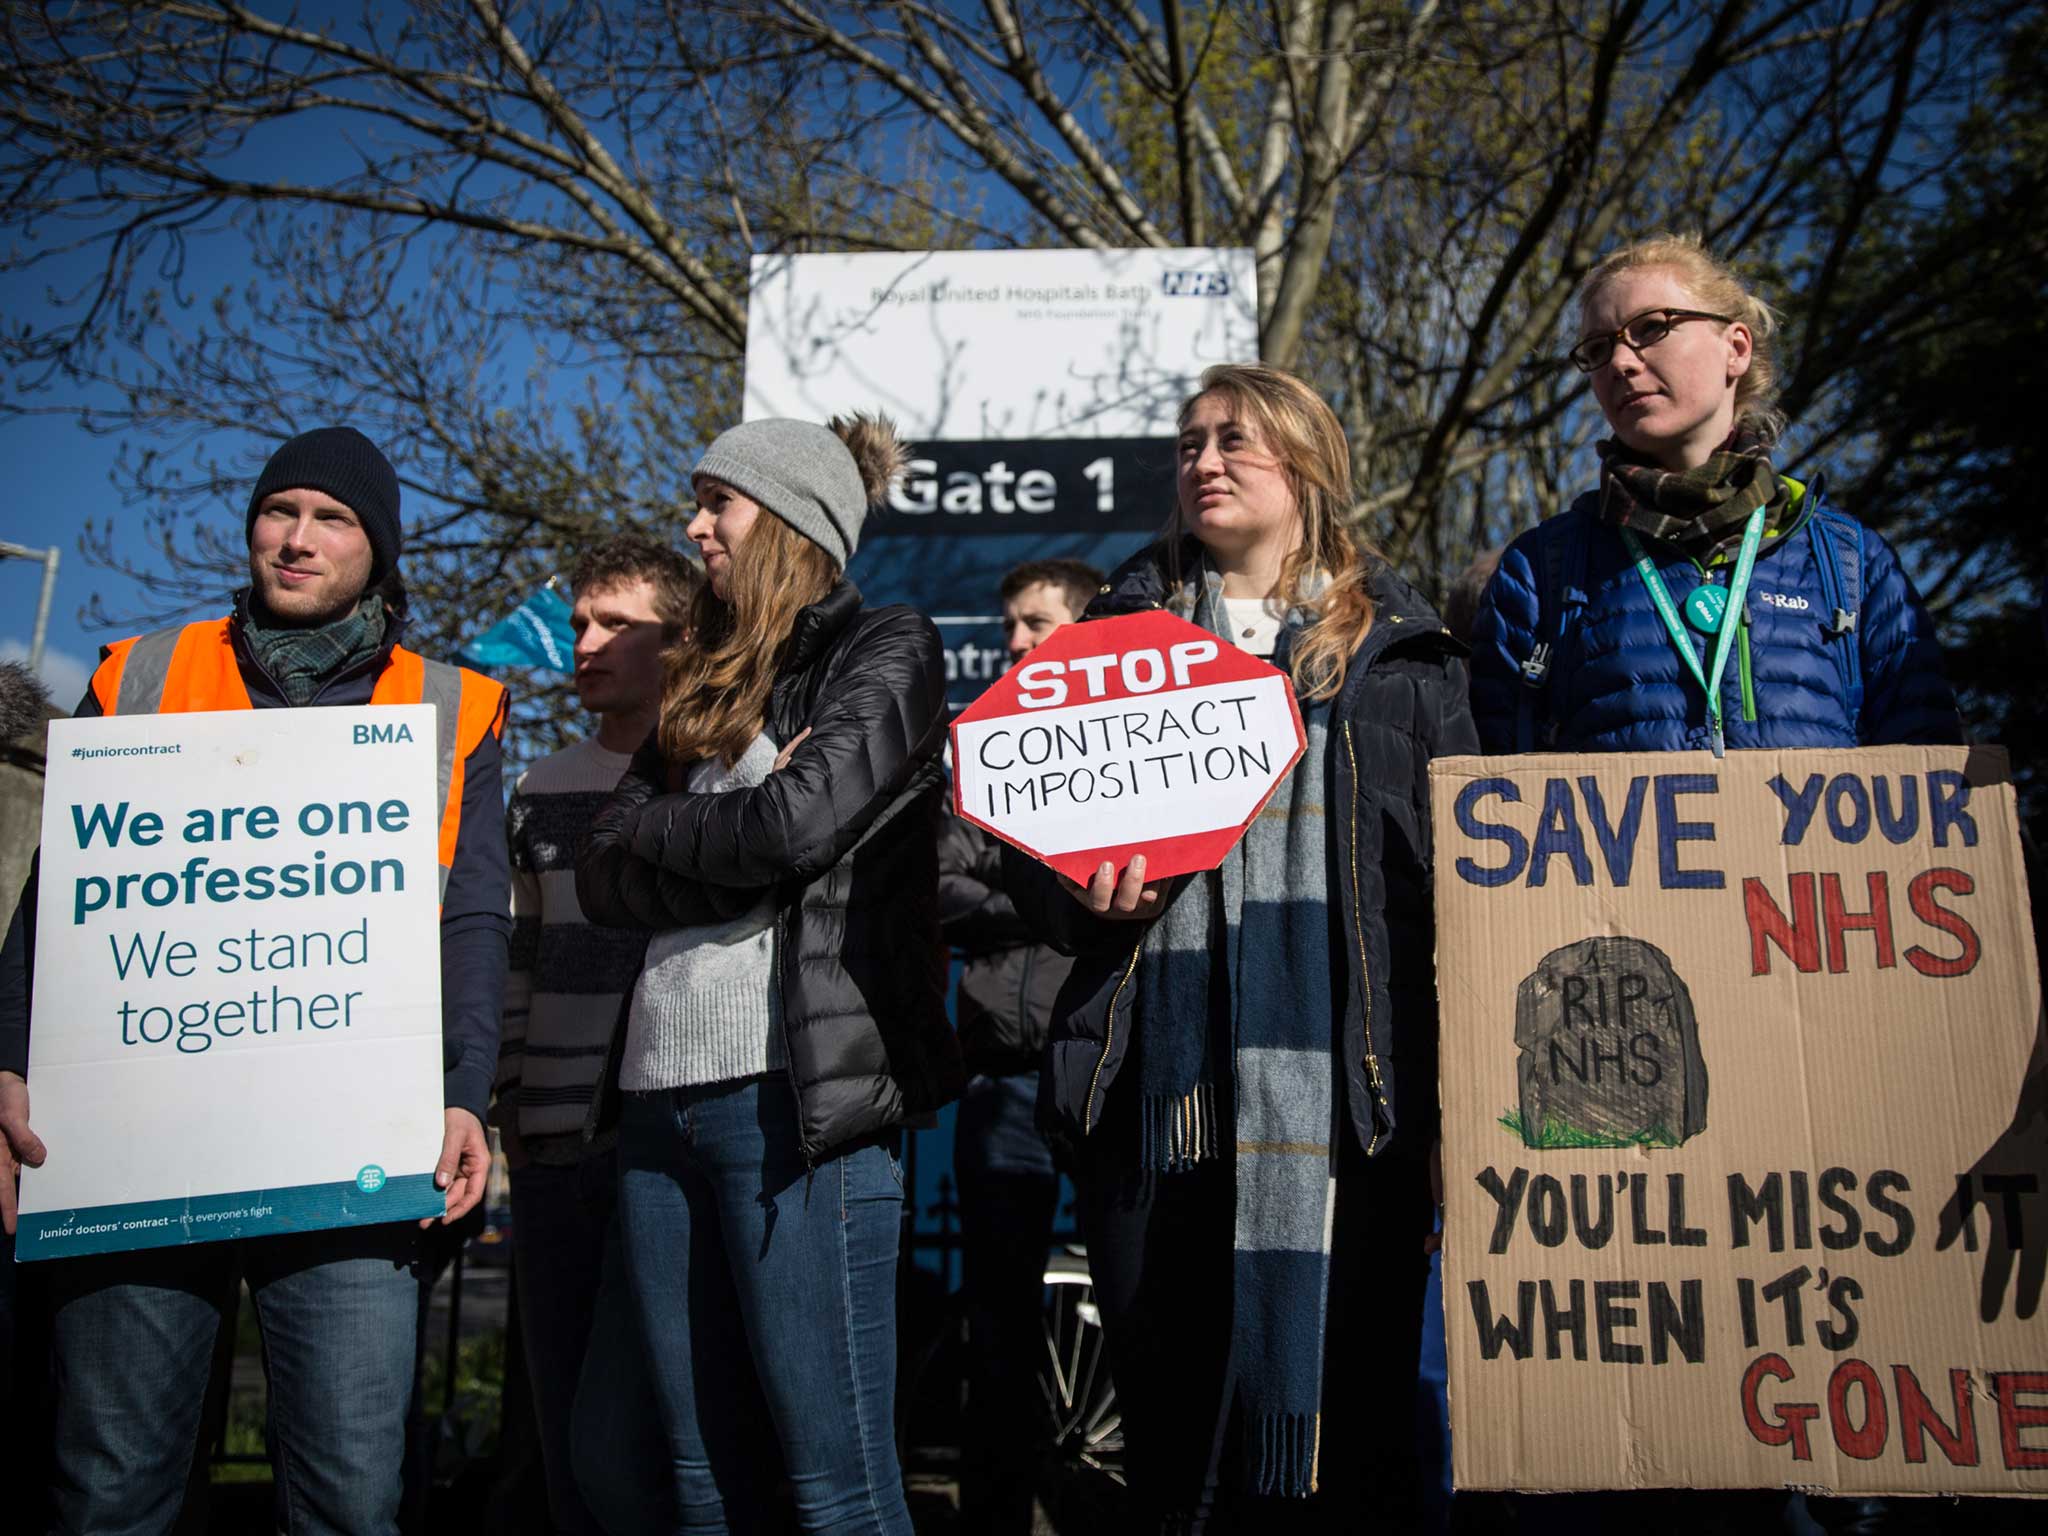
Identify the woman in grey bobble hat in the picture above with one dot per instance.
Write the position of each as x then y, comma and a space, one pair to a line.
778, 834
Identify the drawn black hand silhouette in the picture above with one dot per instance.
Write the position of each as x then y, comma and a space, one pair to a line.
2010, 1183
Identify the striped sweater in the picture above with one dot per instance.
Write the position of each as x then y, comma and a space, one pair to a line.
568, 976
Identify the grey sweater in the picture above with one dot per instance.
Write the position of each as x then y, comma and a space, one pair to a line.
706, 1009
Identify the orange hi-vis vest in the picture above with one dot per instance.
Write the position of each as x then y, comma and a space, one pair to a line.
189, 668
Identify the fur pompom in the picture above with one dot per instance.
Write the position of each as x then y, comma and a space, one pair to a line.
24, 701
877, 451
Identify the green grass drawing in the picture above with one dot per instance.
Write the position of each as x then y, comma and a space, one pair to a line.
1556, 1135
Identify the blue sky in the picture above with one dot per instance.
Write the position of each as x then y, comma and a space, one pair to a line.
62, 474
59, 474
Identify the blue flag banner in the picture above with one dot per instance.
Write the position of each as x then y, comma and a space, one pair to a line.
535, 634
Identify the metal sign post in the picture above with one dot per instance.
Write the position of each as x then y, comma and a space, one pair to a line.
49, 559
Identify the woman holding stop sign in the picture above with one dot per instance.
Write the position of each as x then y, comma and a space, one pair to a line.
1243, 1065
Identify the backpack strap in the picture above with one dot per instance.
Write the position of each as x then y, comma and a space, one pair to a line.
1560, 595
1838, 555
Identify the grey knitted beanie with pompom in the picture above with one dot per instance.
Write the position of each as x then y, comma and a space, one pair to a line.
819, 480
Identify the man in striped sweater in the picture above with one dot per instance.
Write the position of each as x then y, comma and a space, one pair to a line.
603, 1460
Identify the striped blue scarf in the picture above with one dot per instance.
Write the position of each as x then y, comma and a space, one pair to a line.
1236, 975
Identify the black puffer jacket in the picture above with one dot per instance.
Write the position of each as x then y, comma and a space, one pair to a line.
1402, 703
846, 835
1010, 982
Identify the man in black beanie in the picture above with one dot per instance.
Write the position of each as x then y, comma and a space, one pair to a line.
132, 1332
343, 471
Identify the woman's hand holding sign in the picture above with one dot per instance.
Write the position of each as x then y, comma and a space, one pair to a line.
1108, 896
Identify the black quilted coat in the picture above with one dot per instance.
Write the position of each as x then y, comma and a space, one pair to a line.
1009, 983
846, 836
1402, 703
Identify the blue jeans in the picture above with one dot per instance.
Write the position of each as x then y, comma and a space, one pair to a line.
767, 1295
601, 1446
132, 1338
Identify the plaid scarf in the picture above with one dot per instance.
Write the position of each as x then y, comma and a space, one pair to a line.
300, 661
1700, 510
1235, 976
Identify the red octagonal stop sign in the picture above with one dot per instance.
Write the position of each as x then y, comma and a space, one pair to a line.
1140, 734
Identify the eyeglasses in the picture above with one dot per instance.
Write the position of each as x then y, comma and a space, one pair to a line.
1641, 333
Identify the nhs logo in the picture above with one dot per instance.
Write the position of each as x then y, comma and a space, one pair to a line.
1195, 285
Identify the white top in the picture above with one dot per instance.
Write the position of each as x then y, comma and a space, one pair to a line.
1254, 623
707, 1009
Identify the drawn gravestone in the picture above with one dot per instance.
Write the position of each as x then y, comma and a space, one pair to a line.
1610, 1049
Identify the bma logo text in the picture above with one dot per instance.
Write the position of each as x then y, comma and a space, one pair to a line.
381, 735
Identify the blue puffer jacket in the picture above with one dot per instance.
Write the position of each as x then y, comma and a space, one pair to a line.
1841, 651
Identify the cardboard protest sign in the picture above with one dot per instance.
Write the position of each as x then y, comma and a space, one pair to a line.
237, 1010
1745, 1096
1137, 734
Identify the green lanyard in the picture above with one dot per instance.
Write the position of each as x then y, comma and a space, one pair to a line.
1730, 616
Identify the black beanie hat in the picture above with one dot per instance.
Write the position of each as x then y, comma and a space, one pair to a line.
346, 465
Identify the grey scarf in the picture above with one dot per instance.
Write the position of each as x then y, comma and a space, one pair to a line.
1236, 1043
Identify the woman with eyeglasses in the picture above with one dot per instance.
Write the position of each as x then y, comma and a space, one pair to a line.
1697, 597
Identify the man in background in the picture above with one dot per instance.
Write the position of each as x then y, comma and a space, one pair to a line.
1009, 1190
631, 601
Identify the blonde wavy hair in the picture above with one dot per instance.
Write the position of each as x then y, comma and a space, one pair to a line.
718, 678
1304, 435
1719, 289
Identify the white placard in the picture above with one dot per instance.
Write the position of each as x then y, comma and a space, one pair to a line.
1009, 346
1138, 734
1085, 776
237, 1005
